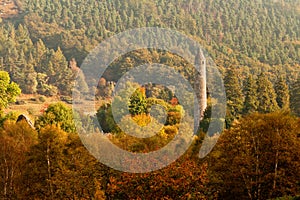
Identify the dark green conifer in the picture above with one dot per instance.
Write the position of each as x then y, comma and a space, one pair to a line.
295, 97
266, 95
250, 90
235, 99
282, 92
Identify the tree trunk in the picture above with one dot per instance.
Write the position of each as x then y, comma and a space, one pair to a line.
6, 178
276, 161
49, 169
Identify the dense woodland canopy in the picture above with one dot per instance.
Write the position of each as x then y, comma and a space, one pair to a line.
255, 36
255, 45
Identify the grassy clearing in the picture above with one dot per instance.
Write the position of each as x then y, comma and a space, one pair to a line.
31, 105
34, 105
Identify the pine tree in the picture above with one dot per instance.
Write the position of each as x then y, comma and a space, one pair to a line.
251, 103
11, 58
266, 95
23, 38
234, 95
64, 76
282, 92
31, 83
43, 87
295, 98
56, 67
39, 55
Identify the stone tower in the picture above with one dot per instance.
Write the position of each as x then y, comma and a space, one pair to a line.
200, 84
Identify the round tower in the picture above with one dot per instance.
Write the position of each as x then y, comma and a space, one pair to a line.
200, 85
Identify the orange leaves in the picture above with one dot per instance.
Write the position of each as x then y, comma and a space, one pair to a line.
184, 179
44, 108
174, 101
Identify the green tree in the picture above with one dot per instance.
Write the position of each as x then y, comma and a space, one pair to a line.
58, 114
60, 75
40, 51
43, 87
282, 92
250, 90
106, 120
138, 102
295, 98
8, 90
234, 95
30, 86
266, 95
55, 66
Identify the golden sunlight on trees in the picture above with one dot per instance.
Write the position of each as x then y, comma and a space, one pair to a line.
8, 90
15, 142
258, 158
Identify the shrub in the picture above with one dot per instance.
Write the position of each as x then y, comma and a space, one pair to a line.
106, 120
20, 102
173, 118
30, 111
66, 99
42, 99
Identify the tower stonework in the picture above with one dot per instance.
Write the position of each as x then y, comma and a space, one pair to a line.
200, 84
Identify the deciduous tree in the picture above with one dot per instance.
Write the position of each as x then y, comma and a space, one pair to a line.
15, 141
8, 90
57, 114
258, 158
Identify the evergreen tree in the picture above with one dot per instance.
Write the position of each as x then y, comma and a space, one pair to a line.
31, 83
63, 76
234, 95
266, 95
23, 39
39, 53
295, 98
55, 65
282, 92
43, 87
251, 103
